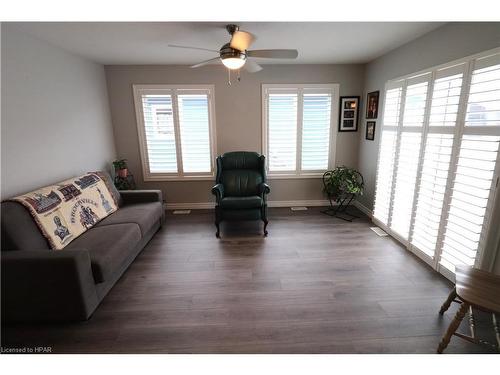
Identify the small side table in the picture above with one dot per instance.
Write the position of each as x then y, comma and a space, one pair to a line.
474, 289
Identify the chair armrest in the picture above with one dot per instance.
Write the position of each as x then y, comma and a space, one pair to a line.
264, 188
218, 191
41, 285
141, 196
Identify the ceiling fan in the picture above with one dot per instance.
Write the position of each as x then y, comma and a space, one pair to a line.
235, 54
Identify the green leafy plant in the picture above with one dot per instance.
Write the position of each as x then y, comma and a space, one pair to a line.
341, 181
120, 164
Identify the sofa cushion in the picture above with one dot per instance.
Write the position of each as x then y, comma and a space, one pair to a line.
253, 201
109, 247
143, 214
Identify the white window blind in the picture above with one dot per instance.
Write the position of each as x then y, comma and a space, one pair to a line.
195, 133
471, 191
431, 192
297, 126
316, 116
176, 130
405, 183
432, 187
159, 131
282, 125
408, 156
437, 202
387, 154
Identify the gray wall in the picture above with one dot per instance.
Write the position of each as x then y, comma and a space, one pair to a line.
55, 114
449, 42
238, 118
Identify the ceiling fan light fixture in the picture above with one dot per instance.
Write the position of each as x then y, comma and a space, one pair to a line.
233, 63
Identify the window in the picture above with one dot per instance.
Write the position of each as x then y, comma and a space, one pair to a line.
176, 131
299, 129
438, 165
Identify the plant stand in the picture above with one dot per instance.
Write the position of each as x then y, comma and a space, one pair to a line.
339, 210
341, 186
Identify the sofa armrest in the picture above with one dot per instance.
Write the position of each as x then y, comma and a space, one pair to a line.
141, 196
218, 191
41, 285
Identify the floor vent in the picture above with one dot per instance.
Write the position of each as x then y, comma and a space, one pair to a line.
379, 231
182, 212
300, 208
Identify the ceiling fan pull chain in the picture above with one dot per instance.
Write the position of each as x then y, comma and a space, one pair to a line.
239, 77
229, 77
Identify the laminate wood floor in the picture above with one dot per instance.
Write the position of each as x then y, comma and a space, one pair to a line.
316, 284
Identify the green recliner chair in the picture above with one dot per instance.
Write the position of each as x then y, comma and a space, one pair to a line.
241, 188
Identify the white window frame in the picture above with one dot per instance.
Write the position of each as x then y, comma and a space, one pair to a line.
334, 88
457, 131
138, 91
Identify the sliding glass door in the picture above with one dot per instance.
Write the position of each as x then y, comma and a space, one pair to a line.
438, 162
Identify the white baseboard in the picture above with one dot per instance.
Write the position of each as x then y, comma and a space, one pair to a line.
363, 208
191, 206
307, 203
209, 205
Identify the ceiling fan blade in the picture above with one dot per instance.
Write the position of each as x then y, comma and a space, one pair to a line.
188, 47
205, 62
241, 40
252, 67
274, 53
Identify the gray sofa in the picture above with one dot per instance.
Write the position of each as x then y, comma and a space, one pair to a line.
40, 284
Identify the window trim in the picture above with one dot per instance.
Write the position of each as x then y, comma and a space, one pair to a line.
334, 88
180, 175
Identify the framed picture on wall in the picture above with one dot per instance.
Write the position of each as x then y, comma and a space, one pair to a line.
372, 105
349, 113
370, 130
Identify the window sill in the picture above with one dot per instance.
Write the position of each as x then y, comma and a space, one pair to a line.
294, 176
159, 178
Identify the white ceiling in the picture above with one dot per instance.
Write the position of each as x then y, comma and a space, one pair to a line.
146, 43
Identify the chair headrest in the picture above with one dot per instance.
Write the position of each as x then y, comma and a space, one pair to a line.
241, 160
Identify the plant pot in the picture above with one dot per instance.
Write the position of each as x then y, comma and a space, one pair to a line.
123, 173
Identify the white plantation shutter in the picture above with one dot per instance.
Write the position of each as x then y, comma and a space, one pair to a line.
298, 127
408, 155
437, 200
445, 100
483, 108
316, 114
470, 195
387, 154
160, 134
195, 133
384, 175
282, 128
475, 177
446, 93
431, 192
406, 174
175, 131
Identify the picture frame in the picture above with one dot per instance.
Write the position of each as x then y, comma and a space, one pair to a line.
349, 113
372, 99
370, 130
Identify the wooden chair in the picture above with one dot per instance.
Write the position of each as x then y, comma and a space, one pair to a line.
474, 289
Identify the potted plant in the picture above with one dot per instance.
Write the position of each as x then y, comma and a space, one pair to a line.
342, 181
121, 167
